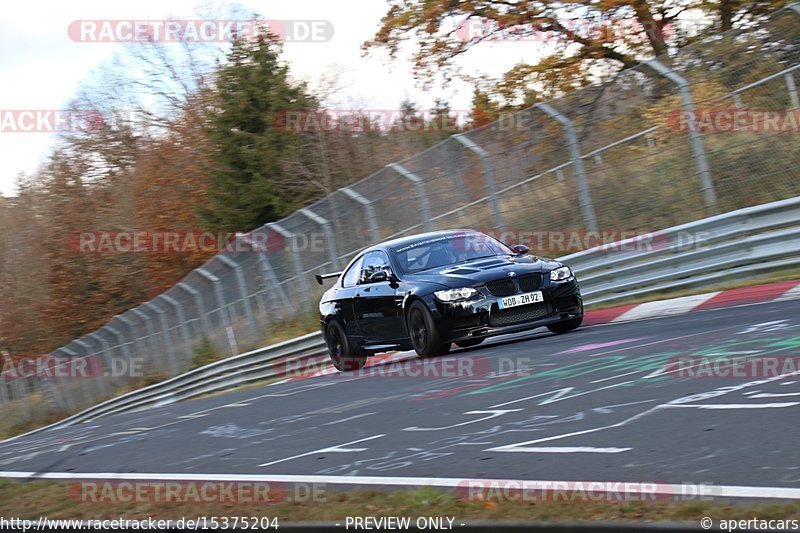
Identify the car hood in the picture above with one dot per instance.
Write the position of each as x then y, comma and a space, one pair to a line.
480, 271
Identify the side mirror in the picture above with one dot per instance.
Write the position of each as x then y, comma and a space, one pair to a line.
521, 249
378, 275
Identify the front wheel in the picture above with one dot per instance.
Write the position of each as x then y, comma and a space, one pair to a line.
566, 325
425, 337
345, 356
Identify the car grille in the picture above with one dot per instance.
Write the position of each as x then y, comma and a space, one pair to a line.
502, 287
517, 315
531, 282
507, 287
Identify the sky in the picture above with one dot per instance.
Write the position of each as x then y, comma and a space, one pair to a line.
41, 67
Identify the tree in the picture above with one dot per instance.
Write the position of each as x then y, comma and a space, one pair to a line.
247, 174
584, 39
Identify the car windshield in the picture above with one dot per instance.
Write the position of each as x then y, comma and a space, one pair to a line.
444, 250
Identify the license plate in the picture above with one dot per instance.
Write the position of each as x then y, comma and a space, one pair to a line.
520, 299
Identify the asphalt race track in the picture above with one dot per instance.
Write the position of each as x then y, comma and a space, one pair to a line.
604, 403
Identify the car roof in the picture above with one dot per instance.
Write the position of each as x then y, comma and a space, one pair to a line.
414, 238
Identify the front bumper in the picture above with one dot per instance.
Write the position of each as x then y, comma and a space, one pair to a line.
483, 318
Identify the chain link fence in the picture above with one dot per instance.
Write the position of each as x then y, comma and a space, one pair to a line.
634, 153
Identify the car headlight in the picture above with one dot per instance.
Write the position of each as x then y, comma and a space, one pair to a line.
453, 295
561, 274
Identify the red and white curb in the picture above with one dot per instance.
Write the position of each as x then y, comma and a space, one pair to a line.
782, 291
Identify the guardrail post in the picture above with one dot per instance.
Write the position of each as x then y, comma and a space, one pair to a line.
248, 310
205, 323
700, 161
369, 209
333, 256
422, 196
268, 276
487, 173
216, 283
297, 262
187, 342
166, 336
585, 197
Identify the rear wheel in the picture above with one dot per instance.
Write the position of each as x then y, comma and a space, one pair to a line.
425, 337
566, 325
469, 343
344, 355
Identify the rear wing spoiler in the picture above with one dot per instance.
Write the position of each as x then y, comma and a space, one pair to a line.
321, 277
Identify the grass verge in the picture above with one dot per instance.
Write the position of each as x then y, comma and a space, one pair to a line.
55, 499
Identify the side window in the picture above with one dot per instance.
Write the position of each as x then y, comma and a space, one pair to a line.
373, 261
351, 277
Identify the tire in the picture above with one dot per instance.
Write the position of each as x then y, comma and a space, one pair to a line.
425, 338
345, 356
469, 343
566, 325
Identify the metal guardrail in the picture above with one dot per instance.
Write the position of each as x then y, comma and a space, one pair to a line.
737, 243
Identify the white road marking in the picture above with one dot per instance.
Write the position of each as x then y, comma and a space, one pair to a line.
565, 449
737, 405
346, 419
554, 396
775, 395
492, 414
677, 489
339, 448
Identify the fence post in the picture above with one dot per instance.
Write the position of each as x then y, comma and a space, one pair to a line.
166, 336
108, 373
99, 385
333, 256
248, 310
151, 332
297, 262
187, 343
84, 385
422, 195
369, 209
792, 88
268, 275
700, 161
487, 173
216, 283
205, 323
3, 388
587, 208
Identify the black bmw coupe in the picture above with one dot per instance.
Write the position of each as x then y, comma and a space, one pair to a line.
429, 291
